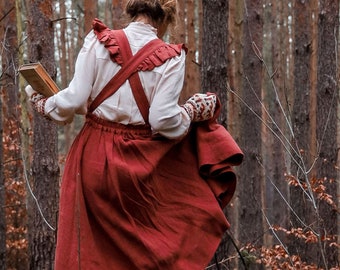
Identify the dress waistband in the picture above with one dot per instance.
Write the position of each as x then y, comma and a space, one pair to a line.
118, 128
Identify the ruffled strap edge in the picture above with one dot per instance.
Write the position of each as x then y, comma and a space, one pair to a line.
107, 37
161, 55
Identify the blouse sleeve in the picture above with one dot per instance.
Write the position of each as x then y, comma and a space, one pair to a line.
167, 117
62, 106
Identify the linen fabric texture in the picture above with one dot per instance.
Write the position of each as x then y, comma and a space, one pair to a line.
133, 199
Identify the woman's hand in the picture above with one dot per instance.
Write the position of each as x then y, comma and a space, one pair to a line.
37, 100
201, 107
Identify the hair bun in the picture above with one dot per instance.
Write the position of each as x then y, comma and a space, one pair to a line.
157, 10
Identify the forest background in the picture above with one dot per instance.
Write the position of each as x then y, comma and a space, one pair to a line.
274, 65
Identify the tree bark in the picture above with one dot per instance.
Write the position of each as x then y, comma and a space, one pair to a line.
117, 14
272, 148
90, 12
301, 123
2, 176
192, 69
214, 51
251, 181
327, 121
108, 18
235, 55
12, 165
214, 64
45, 171
61, 43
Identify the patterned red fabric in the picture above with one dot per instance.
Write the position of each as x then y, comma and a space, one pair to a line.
107, 36
38, 102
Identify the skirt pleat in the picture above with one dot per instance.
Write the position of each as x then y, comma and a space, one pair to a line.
130, 200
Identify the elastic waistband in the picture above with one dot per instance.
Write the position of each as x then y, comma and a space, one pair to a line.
118, 128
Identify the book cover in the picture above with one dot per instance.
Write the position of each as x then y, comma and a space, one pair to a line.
36, 75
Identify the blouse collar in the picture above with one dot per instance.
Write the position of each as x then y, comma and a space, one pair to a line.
142, 28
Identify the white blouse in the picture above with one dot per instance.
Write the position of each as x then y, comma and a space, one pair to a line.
94, 69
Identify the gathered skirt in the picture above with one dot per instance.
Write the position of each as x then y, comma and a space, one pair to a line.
130, 200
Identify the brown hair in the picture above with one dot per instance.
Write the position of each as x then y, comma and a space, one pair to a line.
160, 11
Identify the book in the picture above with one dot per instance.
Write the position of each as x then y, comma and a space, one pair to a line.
36, 75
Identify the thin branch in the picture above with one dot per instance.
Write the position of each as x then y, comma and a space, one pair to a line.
286, 202
6, 14
32, 193
64, 18
277, 237
276, 135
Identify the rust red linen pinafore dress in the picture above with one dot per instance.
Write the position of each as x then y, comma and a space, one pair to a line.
130, 200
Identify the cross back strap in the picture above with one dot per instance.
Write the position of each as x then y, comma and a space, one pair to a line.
134, 79
129, 71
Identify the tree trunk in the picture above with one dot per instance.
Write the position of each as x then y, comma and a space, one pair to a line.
90, 12
3, 250
214, 61
61, 45
214, 51
14, 184
117, 12
180, 34
272, 148
235, 47
2, 176
2, 200
192, 68
326, 112
45, 171
301, 123
108, 18
251, 178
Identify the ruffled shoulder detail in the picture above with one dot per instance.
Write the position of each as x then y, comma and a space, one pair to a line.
161, 55
106, 36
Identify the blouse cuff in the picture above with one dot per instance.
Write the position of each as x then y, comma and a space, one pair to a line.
51, 111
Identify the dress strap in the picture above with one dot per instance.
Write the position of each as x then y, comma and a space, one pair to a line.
152, 55
129, 67
134, 79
